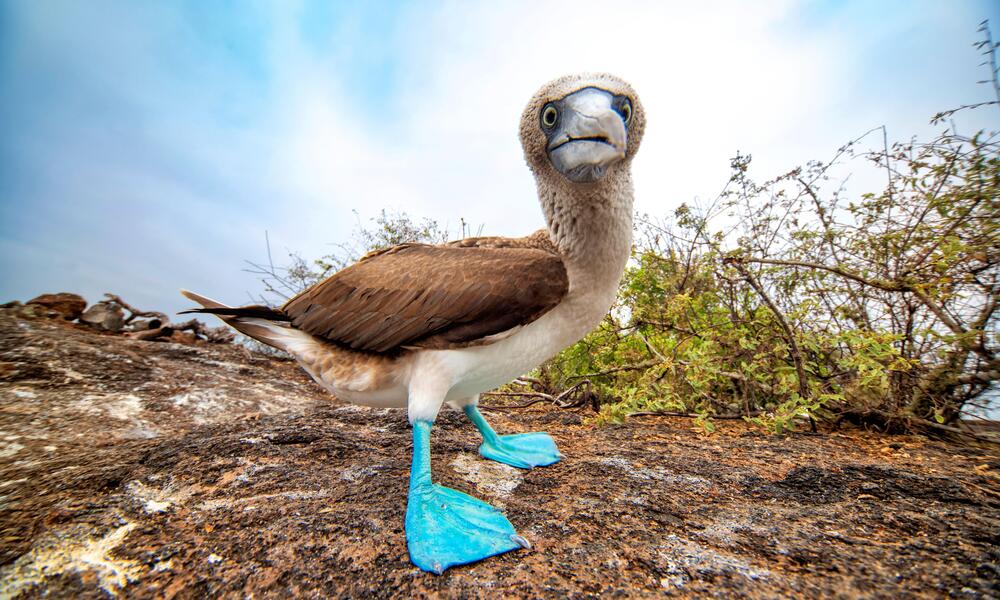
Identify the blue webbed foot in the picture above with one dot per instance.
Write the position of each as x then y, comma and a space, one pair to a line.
445, 527
522, 450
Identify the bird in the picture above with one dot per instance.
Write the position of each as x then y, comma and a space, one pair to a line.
419, 326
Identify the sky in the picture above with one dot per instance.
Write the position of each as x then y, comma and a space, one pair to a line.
148, 146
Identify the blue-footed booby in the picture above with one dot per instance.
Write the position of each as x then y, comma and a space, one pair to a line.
417, 326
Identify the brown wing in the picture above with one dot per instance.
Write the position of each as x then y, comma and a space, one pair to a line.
430, 296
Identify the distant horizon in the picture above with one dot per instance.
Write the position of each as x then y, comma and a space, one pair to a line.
148, 148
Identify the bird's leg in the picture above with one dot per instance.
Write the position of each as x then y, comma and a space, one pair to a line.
522, 450
445, 527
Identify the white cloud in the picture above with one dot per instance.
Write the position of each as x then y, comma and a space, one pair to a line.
715, 78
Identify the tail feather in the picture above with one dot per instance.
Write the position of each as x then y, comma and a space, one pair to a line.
258, 322
206, 302
257, 311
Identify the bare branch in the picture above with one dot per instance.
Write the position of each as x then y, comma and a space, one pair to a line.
889, 286
136, 312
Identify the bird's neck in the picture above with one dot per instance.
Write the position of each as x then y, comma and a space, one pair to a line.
591, 226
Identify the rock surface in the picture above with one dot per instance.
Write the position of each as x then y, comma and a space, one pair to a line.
104, 315
68, 306
151, 470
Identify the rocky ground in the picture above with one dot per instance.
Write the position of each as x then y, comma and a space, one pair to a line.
156, 469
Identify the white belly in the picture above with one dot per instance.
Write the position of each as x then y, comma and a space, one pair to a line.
482, 368
467, 372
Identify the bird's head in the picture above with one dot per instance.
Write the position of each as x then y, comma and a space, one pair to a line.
583, 127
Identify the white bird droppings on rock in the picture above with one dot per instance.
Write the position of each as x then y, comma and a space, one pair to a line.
491, 478
72, 551
8, 449
655, 474
166, 565
156, 501
204, 405
124, 407
683, 559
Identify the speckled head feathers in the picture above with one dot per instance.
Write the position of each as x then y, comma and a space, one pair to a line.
533, 139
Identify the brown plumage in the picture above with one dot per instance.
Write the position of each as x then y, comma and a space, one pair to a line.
423, 296
430, 296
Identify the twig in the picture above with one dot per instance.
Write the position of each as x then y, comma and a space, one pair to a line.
164, 319
652, 349
932, 425
667, 413
530, 381
541, 395
151, 334
635, 367
556, 400
793, 346
991, 52
888, 167
218, 335
513, 407
889, 286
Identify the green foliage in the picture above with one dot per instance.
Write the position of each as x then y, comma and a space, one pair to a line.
787, 302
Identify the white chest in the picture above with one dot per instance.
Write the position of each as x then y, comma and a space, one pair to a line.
481, 368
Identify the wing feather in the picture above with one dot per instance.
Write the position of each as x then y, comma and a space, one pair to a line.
431, 296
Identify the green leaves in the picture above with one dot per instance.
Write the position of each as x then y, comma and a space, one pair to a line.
889, 295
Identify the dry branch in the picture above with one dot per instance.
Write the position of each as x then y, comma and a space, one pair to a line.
218, 335
636, 367
793, 346
882, 284
558, 400
164, 319
151, 334
916, 423
723, 417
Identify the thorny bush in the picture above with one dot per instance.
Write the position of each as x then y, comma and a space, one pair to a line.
792, 299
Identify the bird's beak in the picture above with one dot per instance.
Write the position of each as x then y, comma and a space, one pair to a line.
589, 136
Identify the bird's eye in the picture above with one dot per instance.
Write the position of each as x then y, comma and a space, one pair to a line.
626, 110
549, 116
